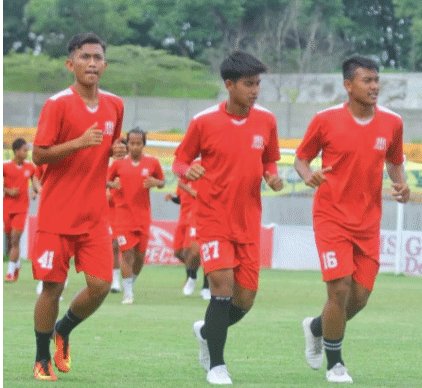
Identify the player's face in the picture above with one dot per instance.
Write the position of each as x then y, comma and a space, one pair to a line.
135, 145
245, 90
22, 153
364, 87
88, 63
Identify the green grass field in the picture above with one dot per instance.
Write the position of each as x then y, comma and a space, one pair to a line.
150, 344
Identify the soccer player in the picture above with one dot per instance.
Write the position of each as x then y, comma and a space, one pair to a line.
355, 138
16, 175
77, 130
137, 173
238, 144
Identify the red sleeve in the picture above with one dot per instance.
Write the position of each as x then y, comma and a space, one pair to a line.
119, 122
271, 168
180, 168
112, 171
189, 148
394, 153
312, 142
158, 171
272, 150
48, 124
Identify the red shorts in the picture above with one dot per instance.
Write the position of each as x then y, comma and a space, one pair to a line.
190, 236
180, 236
52, 253
133, 239
243, 258
342, 253
14, 221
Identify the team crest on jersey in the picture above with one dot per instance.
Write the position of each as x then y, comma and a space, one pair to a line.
258, 142
26, 173
109, 128
145, 172
380, 144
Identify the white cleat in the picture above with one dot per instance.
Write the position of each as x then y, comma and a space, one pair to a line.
338, 374
127, 299
204, 353
115, 288
314, 349
219, 376
189, 287
206, 294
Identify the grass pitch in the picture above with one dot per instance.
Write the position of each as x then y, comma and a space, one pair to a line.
150, 344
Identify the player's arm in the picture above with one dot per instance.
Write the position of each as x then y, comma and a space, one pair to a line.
11, 191
55, 153
172, 197
153, 182
401, 191
36, 185
271, 176
187, 188
114, 184
311, 178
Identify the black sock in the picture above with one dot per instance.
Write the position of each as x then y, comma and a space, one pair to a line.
43, 346
205, 285
215, 328
191, 273
236, 314
333, 352
67, 323
316, 326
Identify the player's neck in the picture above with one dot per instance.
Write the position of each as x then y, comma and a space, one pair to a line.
136, 159
89, 94
18, 161
234, 108
361, 111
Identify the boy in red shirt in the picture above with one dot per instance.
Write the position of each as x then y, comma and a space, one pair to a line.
355, 138
137, 173
16, 175
77, 130
238, 144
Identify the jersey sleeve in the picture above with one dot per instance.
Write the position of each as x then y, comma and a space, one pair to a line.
394, 153
312, 141
48, 124
112, 171
272, 150
119, 123
158, 171
189, 148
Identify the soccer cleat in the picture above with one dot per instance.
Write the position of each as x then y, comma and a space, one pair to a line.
44, 371
338, 374
10, 278
219, 376
189, 287
115, 288
206, 294
16, 274
127, 299
62, 352
313, 346
204, 353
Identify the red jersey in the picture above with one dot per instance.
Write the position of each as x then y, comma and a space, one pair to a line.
133, 207
233, 152
40, 172
73, 198
351, 196
17, 176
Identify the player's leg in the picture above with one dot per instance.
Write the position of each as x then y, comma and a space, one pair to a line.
193, 262
126, 271
115, 286
139, 255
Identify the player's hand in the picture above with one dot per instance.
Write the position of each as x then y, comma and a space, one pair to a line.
118, 149
317, 178
150, 182
195, 172
401, 192
274, 181
168, 197
13, 192
33, 195
116, 183
91, 137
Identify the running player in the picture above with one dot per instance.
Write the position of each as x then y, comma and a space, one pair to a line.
355, 138
16, 175
77, 130
137, 174
238, 144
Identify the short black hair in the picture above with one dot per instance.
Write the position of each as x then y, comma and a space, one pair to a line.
240, 64
352, 63
18, 143
138, 131
78, 40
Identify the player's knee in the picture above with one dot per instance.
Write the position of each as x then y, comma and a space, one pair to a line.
99, 290
339, 290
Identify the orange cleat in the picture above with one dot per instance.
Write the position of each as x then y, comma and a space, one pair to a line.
62, 353
10, 278
44, 371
